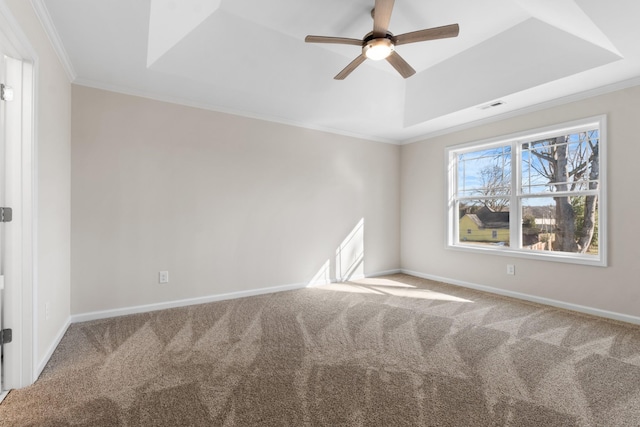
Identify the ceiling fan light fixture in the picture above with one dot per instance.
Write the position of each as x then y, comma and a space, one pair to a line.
378, 49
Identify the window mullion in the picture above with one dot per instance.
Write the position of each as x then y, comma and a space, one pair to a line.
453, 202
515, 220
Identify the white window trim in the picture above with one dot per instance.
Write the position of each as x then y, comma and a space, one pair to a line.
451, 226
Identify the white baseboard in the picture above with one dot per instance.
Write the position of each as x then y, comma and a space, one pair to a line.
318, 283
105, 314
40, 367
385, 273
540, 300
365, 276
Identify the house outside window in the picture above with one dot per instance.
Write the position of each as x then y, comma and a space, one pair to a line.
537, 194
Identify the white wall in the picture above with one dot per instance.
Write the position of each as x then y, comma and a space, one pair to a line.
224, 203
613, 289
53, 108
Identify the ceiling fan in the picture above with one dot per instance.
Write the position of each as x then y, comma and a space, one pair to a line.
380, 43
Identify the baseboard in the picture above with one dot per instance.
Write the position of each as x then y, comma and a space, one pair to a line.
385, 273
370, 275
40, 367
354, 277
540, 300
105, 314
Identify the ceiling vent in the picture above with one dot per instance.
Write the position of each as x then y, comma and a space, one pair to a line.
491, 105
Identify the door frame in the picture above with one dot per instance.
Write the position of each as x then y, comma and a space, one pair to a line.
20, 273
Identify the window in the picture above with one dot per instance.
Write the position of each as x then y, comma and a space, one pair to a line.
537, 194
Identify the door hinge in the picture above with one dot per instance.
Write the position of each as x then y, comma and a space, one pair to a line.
6, 93
6, 214
6, 336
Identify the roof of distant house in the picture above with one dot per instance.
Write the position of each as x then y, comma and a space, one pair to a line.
488, 218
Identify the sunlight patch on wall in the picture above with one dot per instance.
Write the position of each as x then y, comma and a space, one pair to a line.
172, 20
349, 259
323, 276
350, 254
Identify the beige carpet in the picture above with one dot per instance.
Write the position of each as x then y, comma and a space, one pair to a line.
390, 351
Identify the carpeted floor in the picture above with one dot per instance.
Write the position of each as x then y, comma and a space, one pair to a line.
390, 351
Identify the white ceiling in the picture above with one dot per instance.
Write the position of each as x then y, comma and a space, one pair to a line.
249, 57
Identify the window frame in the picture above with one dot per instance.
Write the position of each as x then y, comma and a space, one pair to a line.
516, 141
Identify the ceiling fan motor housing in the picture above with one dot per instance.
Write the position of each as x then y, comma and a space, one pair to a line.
378, 48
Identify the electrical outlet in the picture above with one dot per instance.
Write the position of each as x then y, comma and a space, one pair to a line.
163, 277
47, 310
511, 269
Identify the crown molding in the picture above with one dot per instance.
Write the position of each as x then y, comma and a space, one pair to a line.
45, 19
219, 109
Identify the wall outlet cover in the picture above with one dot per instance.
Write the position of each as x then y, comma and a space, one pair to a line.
163, 277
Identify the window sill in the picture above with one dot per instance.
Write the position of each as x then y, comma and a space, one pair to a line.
582, 259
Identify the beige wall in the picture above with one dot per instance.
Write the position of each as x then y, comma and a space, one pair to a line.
224, 203
613, 289
53, 108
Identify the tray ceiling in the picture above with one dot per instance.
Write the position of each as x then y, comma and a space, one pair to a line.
249, 57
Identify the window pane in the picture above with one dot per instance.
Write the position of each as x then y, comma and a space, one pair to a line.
485, 172
480, 224
563, 163
560, 224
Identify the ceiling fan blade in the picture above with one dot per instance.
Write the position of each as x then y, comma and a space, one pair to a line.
349, 68
428, 34
334, 40
401, 65
381, 17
